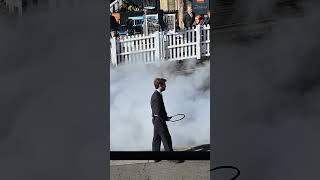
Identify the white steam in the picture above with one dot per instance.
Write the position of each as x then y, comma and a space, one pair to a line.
131, 87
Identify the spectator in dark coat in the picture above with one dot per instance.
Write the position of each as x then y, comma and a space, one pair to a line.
177, 25
207, 18
113, 23
130, 27
188, 17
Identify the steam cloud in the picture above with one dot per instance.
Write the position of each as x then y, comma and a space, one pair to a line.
131, 88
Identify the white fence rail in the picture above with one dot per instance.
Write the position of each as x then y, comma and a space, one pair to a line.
161, 46
115, 5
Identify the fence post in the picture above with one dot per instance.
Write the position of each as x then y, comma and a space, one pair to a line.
164, 41
113, 51
208, 34
157, 45
174, 24
198, 42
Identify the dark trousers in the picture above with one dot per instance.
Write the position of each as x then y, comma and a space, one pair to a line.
161, 134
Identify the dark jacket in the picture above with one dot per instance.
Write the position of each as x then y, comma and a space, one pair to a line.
187, 20
113, 23
207, 20
157, 106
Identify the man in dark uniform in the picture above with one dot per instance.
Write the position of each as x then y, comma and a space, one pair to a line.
159, 118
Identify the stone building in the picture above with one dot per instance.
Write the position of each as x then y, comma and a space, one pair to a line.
169, 5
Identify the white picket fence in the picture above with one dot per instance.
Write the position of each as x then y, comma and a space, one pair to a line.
161, 46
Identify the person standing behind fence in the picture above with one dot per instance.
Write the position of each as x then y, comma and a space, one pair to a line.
113, 23
130, 27
177, 25
188, 21
207, 18
114, 33
189, 16
199, 20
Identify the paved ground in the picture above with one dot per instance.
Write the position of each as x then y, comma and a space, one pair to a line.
164, 170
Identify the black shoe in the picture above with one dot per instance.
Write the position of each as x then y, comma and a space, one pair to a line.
157, 161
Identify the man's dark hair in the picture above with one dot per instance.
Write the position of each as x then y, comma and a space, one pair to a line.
158, 81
